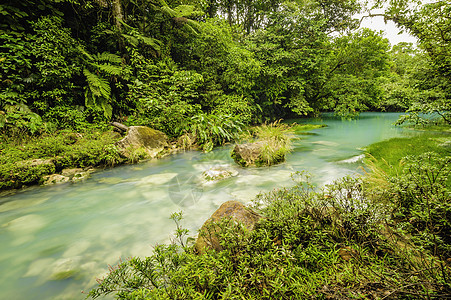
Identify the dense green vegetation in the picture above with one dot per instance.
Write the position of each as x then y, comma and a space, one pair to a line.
25, 162
201, 71
172, 65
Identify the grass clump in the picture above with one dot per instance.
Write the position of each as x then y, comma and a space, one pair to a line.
327, 244
276, 138
388, 154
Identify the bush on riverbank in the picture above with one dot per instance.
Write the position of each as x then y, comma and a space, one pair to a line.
412, 175
328, 244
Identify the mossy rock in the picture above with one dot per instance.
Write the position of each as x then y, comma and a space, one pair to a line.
23, 173
232, 210
251, 154
142, 138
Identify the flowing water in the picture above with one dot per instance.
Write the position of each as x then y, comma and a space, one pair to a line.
55, 241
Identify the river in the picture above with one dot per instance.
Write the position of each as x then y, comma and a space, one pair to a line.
56, 240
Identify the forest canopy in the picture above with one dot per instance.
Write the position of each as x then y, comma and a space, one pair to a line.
178, 65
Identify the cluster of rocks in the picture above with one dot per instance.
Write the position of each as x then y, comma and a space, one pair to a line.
72, 175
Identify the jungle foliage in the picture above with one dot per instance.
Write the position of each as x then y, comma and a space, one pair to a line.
68, 64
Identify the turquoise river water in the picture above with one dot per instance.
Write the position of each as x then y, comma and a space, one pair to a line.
56, 240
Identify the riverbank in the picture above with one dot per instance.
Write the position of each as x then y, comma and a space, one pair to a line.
73, 155
357, 238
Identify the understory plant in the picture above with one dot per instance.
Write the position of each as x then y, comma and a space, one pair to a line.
309, 244
210, 130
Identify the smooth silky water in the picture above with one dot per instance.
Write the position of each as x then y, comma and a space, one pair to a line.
56, 240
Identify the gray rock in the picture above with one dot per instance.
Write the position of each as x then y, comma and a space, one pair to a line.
80, 176
247, 154
71, 172
260, 153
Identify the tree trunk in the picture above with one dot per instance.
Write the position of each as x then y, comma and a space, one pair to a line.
117, 13
119, 126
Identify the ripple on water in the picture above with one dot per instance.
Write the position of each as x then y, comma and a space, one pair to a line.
20, 204
26, 224
156, 179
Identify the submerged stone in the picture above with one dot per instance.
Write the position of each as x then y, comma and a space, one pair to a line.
158, 179
25, 224
65, 268
218, 173
17, 204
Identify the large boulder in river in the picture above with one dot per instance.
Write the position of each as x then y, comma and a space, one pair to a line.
142, 138
247, 154
260, 153
231, 210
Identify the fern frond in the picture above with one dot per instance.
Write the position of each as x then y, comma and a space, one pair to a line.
89, 99
168, 11
154, 43
186, 11
107, 109
131, 39
193, 26
109, 57
98, 86
109, 69
85, 53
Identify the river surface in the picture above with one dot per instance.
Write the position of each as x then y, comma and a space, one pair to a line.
56, 240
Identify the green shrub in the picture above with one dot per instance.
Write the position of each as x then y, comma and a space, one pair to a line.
210, 130
66, 149
308, 245
422, 201
13, 175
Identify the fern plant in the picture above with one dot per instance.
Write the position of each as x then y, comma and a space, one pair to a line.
181, 14
99, 70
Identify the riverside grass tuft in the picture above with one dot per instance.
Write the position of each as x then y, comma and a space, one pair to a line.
328, 244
